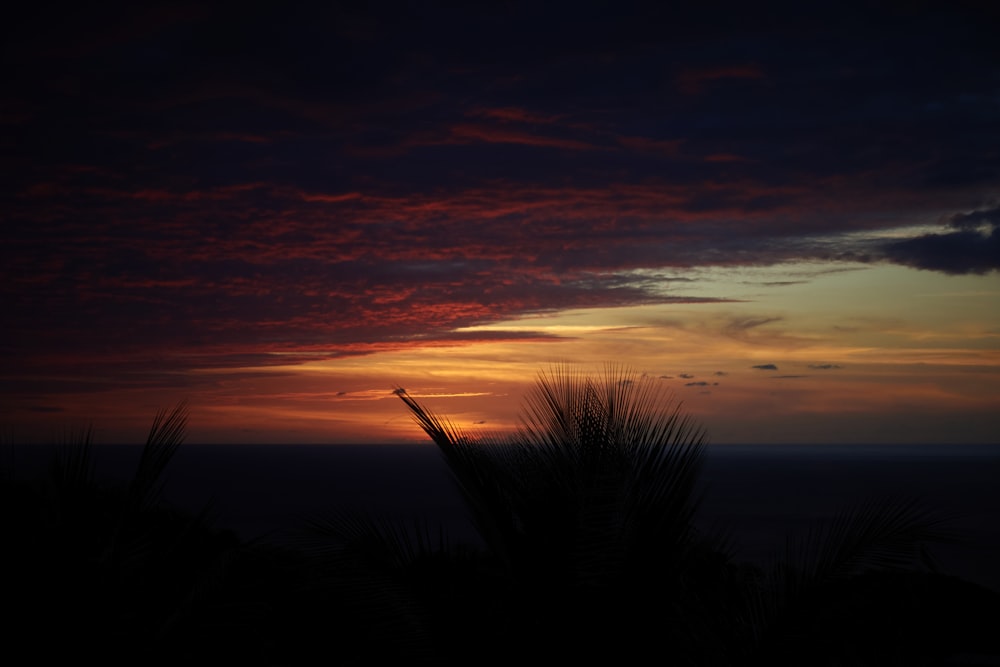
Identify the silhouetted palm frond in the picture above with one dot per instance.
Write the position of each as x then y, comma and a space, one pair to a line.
165, 436
393, 577
594, 493
881, 533
107, 567
389, 542
875, 535
73, 462
485, 472
590, 505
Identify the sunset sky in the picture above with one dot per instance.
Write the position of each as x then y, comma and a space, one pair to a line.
788, 214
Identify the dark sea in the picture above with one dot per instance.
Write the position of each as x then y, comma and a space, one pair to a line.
757, 494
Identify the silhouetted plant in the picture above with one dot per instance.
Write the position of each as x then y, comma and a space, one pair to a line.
589, 550
104, 570
404, 592
808, 582
589, 508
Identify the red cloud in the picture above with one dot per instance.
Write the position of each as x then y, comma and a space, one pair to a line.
693, 81
515, 115
465, 132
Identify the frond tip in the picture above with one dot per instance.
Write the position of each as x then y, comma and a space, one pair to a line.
165, 436
443, 433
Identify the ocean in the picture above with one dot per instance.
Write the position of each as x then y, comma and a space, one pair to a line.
756, 494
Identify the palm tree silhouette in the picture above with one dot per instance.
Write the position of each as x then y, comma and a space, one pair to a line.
591, 550
103, 570
589, 508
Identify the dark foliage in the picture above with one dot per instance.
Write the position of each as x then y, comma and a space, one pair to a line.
588, 552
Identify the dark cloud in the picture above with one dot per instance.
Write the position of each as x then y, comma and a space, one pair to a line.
823, 367
766, 367
776, 283
739, 327
685, 376
974, 247
989, 217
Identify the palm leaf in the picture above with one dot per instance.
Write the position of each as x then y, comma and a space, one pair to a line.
881, 533
598, 472
481, 469
72, 465
386, 541
165, 436
71, 480
373, 563
877, 534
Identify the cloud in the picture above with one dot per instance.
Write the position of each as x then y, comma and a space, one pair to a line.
694, 81
823, 367
776, 283
955, 253
974, 246
367, 185
685, 376
740, 327
766, 367
466, 132
516, 115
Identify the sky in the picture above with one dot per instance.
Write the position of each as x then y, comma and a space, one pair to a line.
787, 213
